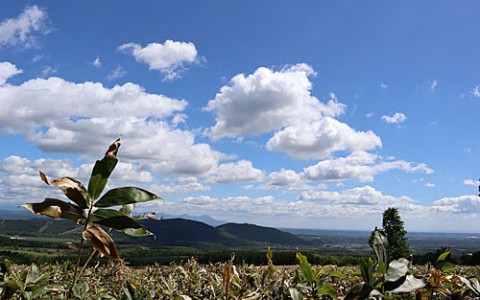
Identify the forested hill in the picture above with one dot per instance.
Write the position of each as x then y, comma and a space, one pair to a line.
168, 232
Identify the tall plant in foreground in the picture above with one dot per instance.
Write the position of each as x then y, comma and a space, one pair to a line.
91, 209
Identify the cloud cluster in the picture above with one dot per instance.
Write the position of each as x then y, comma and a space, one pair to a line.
24, 30
281, 102
8, 70
360, 166
168, 58
396, 118
241, 171
83, 118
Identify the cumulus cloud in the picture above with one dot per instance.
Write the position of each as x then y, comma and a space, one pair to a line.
359, 165
25, 29
281, 102
285, 178
168, 58
461, 204
365, 195
84, 117
8, 70
319, 139
241, 171
397, 118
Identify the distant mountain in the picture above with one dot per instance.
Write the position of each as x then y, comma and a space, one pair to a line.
261, 234
203, 218
168, 232
182, 232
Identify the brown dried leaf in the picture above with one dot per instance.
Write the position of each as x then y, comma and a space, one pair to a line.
55, 208
113, 149
101, 241
71, 187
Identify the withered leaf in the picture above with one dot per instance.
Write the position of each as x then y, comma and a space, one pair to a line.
55, 208
71, 187
101, 241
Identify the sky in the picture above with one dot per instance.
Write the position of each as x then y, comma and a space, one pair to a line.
311, 114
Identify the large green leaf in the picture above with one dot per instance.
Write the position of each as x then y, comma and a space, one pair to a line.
117, 220
366, 270
100, 173
55, 208
102, 170
125, 195
305, 267
71, 187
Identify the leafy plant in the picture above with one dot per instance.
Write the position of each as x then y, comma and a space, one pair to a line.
92, 210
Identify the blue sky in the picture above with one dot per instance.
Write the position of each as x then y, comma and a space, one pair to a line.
317, 114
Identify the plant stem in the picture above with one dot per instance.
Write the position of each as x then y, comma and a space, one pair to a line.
77, 265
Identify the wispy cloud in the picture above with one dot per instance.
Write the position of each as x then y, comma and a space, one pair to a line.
25, 29
396, 118
8, 70
117, 73
97, 63
433, 84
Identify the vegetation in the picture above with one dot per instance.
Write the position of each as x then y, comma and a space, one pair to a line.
191, 274
92, 210
393, 229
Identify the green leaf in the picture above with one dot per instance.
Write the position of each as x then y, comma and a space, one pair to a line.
125, 195
443, 256
366, 270
102, 170
116, 220
71, 187
100, 173
305, 267
327, 289
55, 208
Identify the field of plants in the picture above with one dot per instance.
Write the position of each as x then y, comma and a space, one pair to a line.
387, 275
228, 280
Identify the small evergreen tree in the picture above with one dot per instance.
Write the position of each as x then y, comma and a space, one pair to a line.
396, 234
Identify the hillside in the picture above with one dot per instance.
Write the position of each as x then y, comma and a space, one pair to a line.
250, 232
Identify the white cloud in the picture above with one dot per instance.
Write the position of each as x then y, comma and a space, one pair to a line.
462, 204
430, 185
281, 101
85, 117
476, 91
471, 182
397, 118
47, 71
97, 63
361, 166
433, 84
117, 73
383, 86
365, 195
168, 58
241, 171
24, 29
285, 178
8, 70
320, 138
